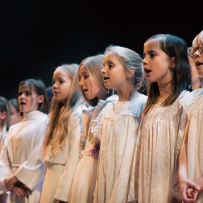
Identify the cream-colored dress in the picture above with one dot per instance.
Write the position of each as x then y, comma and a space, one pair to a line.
62, 165
23, 140
193, 104
157, 153
86, 172
119, 130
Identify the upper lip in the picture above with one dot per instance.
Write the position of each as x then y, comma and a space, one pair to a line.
55, 91
198, 63
146, 70
22, 102
84, 89
105, 77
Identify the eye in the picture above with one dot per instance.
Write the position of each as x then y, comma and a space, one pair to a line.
151, 55
110, 65
19, 93
60, 81
28, 93
86, 76
53, 81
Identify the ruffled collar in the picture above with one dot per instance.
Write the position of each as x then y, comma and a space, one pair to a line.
32, 115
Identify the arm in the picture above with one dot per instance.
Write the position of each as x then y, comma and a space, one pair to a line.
5, 166
184, 182
31, 172
65, 181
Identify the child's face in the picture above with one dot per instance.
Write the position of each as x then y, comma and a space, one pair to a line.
198, 57
15, 117
88, 85
28, 101
114, 74
156, 64
61, 85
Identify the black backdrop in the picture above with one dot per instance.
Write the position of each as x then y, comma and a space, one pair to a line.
39, 35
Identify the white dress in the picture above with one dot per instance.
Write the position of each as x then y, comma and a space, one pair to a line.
193, 104
85, 176
119, 130
23, 139
157, 153
61, 166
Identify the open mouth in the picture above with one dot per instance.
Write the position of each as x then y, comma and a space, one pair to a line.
22, 103
147, 70
199, 63
84, 90
105, 78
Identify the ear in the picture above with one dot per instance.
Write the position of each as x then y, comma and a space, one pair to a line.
3, 115
173, 62
40, 99
130, 73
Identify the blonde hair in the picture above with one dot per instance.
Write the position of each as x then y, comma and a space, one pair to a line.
57, 129
129, 59
93, 65
198, 39
5, 123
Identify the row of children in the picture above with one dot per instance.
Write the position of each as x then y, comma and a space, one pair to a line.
134, 148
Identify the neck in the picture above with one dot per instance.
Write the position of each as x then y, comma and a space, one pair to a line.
164, 91
127, 94
102, 95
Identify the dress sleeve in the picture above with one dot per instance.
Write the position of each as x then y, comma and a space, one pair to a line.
179, 139
5, 166
72, 140
32, 171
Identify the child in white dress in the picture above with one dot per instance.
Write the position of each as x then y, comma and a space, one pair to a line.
5, 121
60, 145
123, 72
94, 92
23, 139
167, 71
191, 164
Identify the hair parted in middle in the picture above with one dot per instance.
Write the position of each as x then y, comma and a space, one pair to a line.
57, 129
93, 65
175, 47
129, 59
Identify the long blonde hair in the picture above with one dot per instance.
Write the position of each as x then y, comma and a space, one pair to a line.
93, 65
57, 129
5, 123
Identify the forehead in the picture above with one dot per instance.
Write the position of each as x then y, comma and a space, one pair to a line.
25, 87
152, 45
198, 41
60, 72
82, 70
111, 57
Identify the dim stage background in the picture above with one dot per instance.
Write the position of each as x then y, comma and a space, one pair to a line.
39, 35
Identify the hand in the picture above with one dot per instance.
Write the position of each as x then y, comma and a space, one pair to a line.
20, 192
10, 182
185, 184
191, 193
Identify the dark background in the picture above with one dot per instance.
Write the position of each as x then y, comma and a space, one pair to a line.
37, 36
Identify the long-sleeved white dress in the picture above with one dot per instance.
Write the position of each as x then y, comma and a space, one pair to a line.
119, 130
61, 166
193, 104
23, 140
86, 172
157, 153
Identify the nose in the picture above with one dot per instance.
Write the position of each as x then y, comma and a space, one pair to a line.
81, 83
103, 71
197, 53
144, 61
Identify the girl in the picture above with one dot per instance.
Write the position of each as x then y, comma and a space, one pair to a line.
4, 126
24, 138
94, 92
15, 111
5, 120
191, 165
60, 148
119, 128
167, 71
